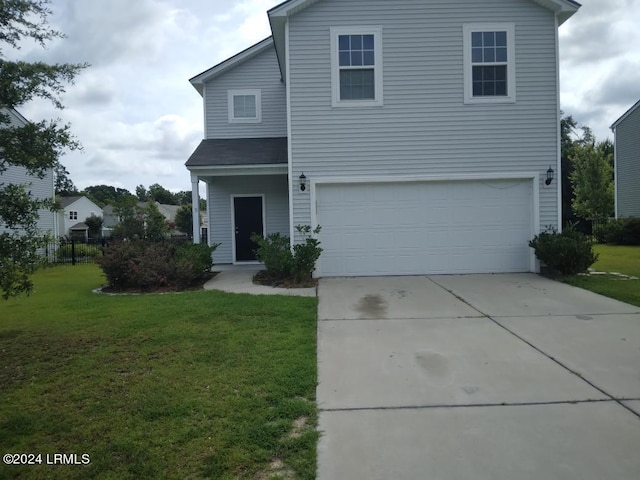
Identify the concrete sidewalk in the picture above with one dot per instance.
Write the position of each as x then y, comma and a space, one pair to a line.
476, 377
239, 279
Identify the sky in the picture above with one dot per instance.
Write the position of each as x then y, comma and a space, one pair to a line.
138, 117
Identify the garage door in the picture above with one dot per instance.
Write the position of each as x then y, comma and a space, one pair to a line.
410, 228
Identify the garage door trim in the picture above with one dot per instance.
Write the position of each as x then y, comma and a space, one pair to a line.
534, 177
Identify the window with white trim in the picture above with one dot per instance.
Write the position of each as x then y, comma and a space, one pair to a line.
73, 215
489, 63
245, 106
356, 66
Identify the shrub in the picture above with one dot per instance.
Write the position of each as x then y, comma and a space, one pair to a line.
305, 255
281, 263
623, 231
567, 253
274, 251
144, 265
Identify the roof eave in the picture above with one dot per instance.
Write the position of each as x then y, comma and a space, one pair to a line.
625, 115
199, 80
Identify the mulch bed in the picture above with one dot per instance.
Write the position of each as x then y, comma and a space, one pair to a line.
263, 278
198, 285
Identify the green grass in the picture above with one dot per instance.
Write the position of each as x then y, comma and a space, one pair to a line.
619, 259
191, 385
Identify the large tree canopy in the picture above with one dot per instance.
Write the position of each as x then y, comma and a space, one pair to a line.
36, 146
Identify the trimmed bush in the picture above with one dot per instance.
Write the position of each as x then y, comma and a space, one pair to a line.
274, 251
567, 253
281, 263
143, 265
623, 231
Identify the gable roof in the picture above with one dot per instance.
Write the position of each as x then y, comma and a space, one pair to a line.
279, 15
239, 151
66, 201
625, 115
199, 80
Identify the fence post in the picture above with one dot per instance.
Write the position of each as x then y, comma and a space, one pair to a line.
73, 251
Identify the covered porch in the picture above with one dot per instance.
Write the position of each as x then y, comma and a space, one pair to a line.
247, 192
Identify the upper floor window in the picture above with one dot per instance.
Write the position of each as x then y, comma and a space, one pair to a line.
245, 106
489, 63
356, 66
73, 215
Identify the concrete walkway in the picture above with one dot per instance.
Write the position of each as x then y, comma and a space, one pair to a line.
496, 377
239, 279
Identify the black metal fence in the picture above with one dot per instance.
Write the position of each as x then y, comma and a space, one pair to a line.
74, 251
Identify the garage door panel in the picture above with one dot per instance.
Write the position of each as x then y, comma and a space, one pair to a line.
425, 227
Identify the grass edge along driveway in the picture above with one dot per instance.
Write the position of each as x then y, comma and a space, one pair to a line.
612, 258
192, 385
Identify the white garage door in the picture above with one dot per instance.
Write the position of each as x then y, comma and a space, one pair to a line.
410, 228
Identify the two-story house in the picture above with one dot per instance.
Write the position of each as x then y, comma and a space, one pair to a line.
626, 131
41, 188
421, 135
73, 212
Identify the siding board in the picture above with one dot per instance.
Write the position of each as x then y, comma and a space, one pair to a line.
628, 165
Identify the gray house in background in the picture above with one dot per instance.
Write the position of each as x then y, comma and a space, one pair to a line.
39, 188
626, 131
417, 133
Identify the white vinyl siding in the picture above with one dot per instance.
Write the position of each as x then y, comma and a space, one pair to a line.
244, 106
40, 188
627, 138
220, 189
258, 74
424, 127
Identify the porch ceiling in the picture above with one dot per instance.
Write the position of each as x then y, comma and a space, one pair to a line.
239, 152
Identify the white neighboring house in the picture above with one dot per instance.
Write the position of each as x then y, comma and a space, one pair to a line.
422, 136
72, 214
40, 188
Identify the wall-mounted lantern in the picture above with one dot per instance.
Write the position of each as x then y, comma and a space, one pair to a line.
303, 182
549, 176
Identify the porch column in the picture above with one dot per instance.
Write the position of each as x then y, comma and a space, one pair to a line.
195, 207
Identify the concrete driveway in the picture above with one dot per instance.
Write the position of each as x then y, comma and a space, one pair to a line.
496, 377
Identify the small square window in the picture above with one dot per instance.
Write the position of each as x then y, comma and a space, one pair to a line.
245, 106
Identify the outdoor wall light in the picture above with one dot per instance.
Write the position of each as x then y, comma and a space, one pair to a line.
303, 182
549, 176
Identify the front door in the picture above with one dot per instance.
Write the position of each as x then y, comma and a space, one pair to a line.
247, 218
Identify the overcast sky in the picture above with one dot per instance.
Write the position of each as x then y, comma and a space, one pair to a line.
138, 118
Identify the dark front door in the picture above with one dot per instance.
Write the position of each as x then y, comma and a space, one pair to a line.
247, 214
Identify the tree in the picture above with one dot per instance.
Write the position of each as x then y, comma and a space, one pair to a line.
161, 195
156, 227
34, 146
63, 184
131, 223
105, 194
184, 220
141, 193
95, 226
592, 181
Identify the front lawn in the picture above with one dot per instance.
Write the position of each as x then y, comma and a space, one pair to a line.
192, 385
621, 259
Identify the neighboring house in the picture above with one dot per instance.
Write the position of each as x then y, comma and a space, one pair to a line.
418, 134
40, 188
626, 131
72, 214
111, 219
